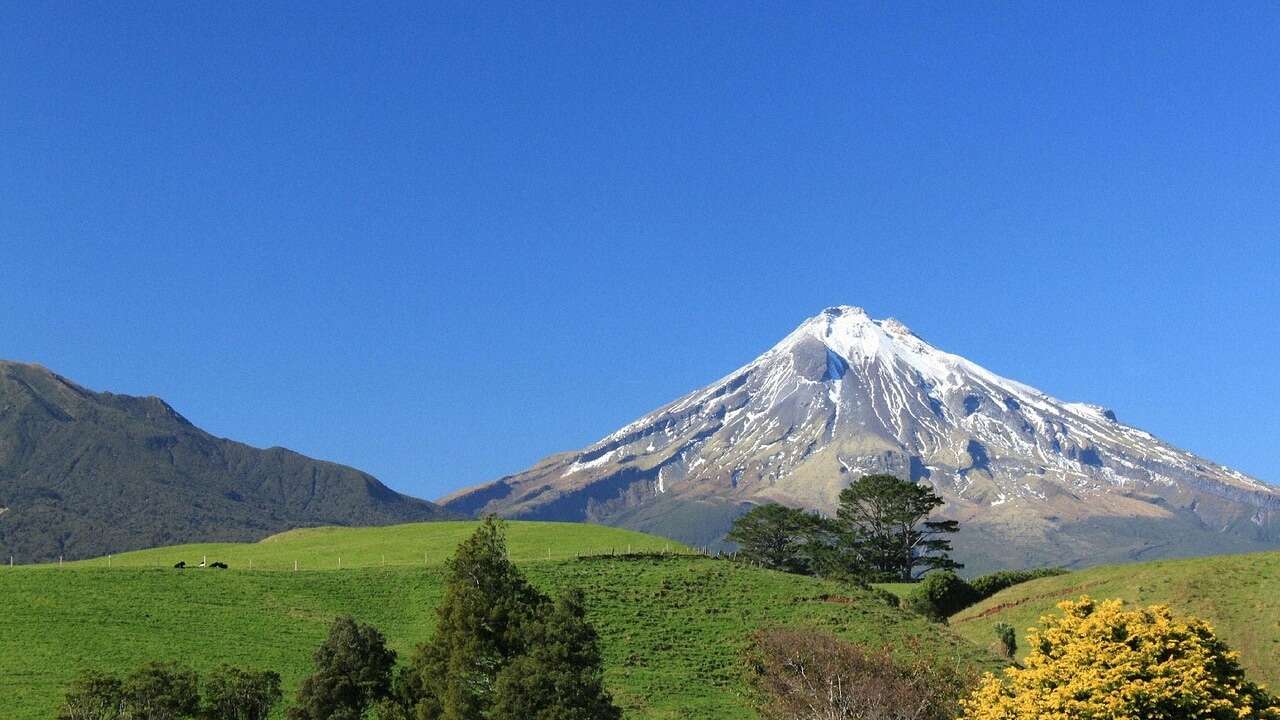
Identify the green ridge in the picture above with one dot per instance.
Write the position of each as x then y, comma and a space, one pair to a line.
672, 627
412, 544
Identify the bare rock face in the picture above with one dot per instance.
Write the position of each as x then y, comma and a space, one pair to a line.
1033, 480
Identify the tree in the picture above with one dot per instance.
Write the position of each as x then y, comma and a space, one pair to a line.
561, 674
781, 538
353, 671
232, 693
161, 691
480, 628
884, 517
809, 675
940, 595
501, 648
1099, 660
94, 696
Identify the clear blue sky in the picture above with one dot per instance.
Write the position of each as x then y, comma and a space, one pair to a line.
439, 243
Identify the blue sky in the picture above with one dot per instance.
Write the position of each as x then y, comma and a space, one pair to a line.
440, 242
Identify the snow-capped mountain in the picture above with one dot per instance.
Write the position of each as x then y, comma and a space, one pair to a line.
1032, 479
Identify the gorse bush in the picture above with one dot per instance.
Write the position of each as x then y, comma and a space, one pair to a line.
1099, 660
809, 675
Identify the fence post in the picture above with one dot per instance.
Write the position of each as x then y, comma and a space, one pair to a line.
295, 566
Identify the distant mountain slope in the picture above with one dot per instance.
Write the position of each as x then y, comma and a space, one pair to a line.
84, 473
1032, 479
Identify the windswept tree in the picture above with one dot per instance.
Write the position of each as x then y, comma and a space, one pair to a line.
886, 519
782, 538
353, 671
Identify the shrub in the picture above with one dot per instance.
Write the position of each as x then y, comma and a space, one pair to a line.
987, 585
1006, 640
940, 595
231, 693
1099, 660
805, 674
161, 691
93, 696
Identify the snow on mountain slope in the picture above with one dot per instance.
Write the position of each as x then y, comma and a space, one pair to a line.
1031, 478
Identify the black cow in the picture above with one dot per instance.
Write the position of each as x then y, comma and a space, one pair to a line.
181, 564
219, 565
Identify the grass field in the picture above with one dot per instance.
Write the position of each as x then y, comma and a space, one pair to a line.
673, 628
1238, 594
415, 544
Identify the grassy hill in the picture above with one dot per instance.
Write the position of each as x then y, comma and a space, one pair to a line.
413, 544
672, 627
1238, 594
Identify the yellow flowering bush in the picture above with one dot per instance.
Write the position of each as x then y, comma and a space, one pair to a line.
1101, 661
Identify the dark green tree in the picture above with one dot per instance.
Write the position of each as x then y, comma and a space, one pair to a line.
232, 693
353, 671
161, 691
94, 696
885, 519
561, 674
782, 538
940, 595
501, 649
480, 629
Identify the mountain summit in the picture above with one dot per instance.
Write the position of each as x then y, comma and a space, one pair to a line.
1033, 480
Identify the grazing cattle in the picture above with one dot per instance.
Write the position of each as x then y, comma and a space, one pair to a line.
181, 564
219, 565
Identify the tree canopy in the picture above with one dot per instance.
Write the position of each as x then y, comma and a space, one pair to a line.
886, 518
353, 671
